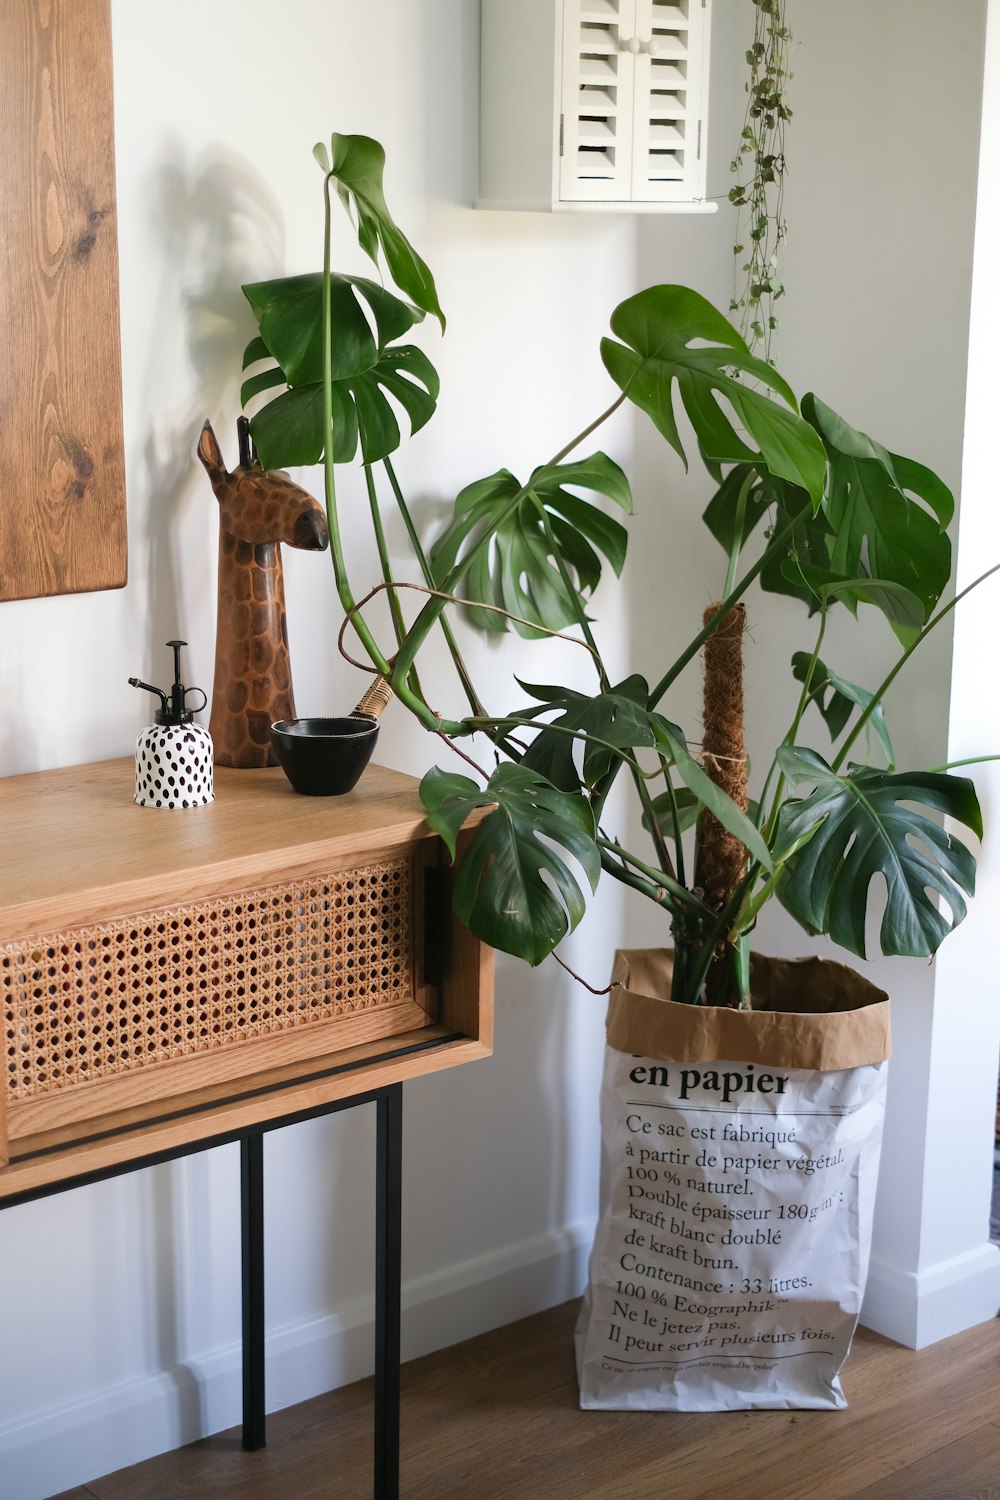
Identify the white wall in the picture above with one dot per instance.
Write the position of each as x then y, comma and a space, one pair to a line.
879, 273
122, 1300
954, 1274
878, 270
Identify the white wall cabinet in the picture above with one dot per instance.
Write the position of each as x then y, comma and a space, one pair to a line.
594, 104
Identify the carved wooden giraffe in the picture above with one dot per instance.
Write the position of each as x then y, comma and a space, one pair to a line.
253, 680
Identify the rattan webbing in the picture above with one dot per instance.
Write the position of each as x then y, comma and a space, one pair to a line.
97, 1001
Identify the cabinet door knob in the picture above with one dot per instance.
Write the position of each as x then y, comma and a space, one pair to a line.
633, 45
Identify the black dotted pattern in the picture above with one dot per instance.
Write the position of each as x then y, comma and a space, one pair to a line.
173, 766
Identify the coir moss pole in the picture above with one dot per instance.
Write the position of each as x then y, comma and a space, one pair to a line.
721, 861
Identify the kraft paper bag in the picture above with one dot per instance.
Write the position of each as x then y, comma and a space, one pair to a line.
740, 1157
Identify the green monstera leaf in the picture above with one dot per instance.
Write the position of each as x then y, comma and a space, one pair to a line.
732, 516
372, 374
367, 370
531, 526
855, 832
670, 334
289, 312
514, 888
836, 699
356, 164
619, 720
616, 720
879, 531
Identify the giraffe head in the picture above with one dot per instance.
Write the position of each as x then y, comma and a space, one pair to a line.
260, 506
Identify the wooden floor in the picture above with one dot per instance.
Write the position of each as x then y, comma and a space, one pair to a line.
496, 1419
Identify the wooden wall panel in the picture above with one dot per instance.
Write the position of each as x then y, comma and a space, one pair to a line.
62, 483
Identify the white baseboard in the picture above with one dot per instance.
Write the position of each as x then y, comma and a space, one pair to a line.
917, 1308
123, 1424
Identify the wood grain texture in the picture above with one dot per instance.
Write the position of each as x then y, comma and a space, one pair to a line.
62, 1157
86, 851
83, 852
497, 1418
253, 671
62, 522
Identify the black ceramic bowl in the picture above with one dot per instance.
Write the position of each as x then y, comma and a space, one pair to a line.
324, 757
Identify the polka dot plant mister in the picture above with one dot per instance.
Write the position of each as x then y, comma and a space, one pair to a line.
173, 757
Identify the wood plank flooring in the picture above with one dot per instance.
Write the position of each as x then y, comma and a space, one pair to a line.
496, 1418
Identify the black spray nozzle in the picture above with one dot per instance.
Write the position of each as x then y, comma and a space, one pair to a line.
137, 682
173, 710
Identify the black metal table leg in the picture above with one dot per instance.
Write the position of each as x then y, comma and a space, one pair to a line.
388, 1275
252, 1237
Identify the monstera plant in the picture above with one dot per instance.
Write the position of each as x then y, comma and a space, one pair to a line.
806, 507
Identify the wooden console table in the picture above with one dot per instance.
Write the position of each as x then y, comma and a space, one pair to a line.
170, 981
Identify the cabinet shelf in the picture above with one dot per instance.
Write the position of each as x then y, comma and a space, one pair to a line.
166, 977
594, 106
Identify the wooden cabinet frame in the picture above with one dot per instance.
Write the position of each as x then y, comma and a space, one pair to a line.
166, 977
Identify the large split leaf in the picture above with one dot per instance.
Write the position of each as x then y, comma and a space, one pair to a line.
364, 317
671, 334
621, 719
357, 163
368, 366
367, 370
850, 830
530, 525
616, 720
289, 429
879, 531
805, 555
514, 887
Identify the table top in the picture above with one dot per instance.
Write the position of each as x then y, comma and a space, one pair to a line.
75, 846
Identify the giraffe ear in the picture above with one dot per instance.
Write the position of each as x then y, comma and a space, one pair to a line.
209, 451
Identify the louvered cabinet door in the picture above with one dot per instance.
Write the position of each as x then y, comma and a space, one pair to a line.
594, 104
598, 76
670, 95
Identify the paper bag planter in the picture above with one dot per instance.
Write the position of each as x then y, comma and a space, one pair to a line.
740, 1162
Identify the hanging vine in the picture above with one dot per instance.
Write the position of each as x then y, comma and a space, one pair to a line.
760, 167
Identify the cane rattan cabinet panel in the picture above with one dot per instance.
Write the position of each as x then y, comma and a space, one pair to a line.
168, 976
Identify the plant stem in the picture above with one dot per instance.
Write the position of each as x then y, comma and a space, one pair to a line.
468, 687
970, 760
728, 604
657, 878
392, 593
804, 698
395, 609
738, 538
330, 490
891, 676
573, 595
638, 780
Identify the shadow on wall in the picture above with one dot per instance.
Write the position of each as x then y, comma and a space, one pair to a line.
219, 226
